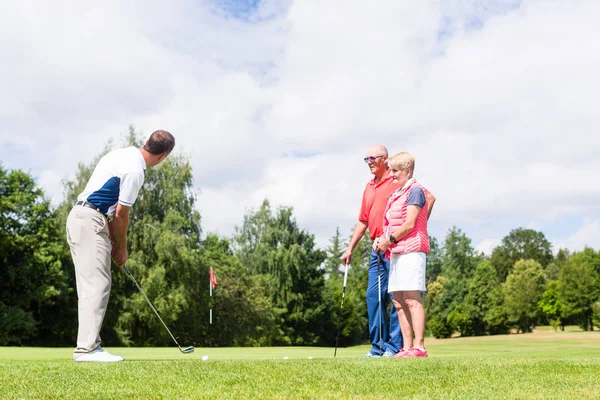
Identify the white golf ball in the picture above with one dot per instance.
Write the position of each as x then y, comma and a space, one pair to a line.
204, 358
285, 358
310, 358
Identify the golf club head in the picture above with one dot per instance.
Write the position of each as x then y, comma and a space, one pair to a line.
187, 350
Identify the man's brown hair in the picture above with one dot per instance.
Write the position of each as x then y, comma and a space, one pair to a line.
160, 142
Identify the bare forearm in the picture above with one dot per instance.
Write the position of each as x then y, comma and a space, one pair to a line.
118, 230
403, 230
359, 231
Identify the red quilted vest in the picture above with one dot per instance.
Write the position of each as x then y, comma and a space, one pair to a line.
418, 239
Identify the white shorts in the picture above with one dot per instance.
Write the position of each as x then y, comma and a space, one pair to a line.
407, 272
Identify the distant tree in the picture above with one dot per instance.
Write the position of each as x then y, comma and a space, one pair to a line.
354, 322
459, 256
596, 314
446, 312
243, 309
271, 243
521, 244
358, 278
435, 260
34, 286
460, 319
579, 287
334, 253
550, 306
523, 290
496, 318
553, 269
361, 255
484, 303
438, 306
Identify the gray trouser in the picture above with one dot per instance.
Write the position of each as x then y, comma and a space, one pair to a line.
88, 237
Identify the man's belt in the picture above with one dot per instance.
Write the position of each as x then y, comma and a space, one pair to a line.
92, 206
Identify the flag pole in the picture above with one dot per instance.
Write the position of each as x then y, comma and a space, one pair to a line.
212, 282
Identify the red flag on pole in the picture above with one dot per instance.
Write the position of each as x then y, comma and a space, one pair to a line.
211, 286
213, 280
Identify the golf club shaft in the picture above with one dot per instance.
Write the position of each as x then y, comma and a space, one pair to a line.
379, 300
150, 304
341, 309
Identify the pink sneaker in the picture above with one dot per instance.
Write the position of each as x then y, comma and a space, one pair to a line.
415, 352
400, 354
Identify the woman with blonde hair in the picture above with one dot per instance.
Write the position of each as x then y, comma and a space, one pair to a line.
406, 242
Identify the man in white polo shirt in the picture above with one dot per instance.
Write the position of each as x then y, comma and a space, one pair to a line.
97, 229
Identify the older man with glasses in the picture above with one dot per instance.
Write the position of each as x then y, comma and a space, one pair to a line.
384, 334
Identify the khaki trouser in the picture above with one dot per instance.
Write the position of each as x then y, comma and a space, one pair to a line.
88, 237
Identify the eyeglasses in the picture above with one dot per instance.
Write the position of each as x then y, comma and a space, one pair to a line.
371, 158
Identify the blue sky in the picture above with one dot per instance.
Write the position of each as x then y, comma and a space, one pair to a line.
497, 100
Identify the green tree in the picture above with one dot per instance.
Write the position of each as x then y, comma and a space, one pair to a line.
438, 306
34, 286
334, 252
354, 322
523, 290
445, 311
361, 256
435, 260
550, 305
484, 303
459, 257
553, 269
596, 314
520, 243
579, 287
358, 277
243, 310
271, 243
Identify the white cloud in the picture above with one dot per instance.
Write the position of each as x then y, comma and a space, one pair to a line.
487, 246
588, 235
496, 99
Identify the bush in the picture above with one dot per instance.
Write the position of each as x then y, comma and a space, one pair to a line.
596, 314
440, 329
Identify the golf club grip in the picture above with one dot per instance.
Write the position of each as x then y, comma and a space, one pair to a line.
337, 336
345, 276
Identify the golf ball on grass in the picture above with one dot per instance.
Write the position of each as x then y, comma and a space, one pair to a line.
286, 357
204, 358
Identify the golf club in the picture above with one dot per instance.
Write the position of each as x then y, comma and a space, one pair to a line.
341, 309
379, 300
187, 350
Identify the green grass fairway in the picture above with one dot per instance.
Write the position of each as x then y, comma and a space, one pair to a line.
545, 364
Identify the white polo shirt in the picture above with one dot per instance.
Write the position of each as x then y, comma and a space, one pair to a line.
117, 178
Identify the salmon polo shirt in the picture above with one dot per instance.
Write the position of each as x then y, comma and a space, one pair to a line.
374, 201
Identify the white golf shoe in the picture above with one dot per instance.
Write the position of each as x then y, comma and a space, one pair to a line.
98, 355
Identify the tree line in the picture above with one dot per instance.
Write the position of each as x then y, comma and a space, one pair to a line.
275, 286
520, 286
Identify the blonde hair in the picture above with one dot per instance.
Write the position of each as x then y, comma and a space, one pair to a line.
402, 161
